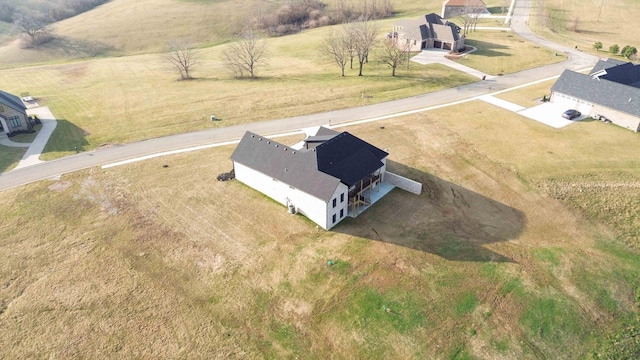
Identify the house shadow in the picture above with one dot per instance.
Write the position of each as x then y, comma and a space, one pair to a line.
487, 49
76, 48
67, 137
447, 220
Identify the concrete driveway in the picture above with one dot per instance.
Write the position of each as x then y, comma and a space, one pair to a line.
436, 56
550, 114
547, 113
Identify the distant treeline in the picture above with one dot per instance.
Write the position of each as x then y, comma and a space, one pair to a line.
294, 15
51, 10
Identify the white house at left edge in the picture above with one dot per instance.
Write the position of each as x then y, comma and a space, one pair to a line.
327, 177
13, 115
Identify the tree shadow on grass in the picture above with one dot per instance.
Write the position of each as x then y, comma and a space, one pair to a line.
67, 137
76, 48
447, 220
498, 10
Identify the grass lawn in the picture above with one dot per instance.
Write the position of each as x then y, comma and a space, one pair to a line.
486, 263
528, 96
9, 157
524, 243
609, 22
505, 52
119, 100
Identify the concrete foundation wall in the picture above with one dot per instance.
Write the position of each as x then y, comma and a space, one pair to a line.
403, 183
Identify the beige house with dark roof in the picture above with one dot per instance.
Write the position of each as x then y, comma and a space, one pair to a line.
13, 114
610, 92
453, 8
428, 32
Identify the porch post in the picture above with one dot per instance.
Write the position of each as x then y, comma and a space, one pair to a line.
5, 126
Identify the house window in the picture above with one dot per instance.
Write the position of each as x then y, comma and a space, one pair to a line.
341, 213
334, 202
334, 218
15, 121
342, 197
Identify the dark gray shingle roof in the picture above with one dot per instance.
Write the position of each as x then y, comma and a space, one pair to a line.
432, 26
342, 158
296, 168
605, 64
12, 101
599, 91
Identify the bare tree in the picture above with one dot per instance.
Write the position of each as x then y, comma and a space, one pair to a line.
345, 10
350, 43
37, 29
393, 53
336, 45
470, 14
246, 54
364, 36
504, 5
183, 57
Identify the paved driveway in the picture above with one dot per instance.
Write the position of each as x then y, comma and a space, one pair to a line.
432, 56
547, 113
550, 114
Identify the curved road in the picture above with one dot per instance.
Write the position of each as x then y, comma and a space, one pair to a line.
577, 61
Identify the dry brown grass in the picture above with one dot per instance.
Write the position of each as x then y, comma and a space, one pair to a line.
615, 25
142, 260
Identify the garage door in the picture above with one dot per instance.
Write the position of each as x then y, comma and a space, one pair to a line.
584, 107
564, 101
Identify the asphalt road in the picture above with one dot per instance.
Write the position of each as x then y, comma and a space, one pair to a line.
577, 61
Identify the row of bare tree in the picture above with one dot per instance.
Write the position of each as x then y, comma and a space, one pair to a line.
357, 41
242, 57
353, 41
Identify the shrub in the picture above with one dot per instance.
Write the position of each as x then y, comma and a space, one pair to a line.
614, 49
629, 51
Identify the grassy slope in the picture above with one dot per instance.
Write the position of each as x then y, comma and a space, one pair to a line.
482, 265
612, 28
136, 97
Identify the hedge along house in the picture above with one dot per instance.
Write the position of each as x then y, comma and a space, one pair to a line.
13, 114
611, 92
428, 32
327, 177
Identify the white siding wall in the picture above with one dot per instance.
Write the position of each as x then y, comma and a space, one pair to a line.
341, 196
315, 209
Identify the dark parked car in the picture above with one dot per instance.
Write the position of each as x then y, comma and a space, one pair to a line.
571, 114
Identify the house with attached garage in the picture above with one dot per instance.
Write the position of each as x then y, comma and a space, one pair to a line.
427, 32
13, 114
327, 177
610, 92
